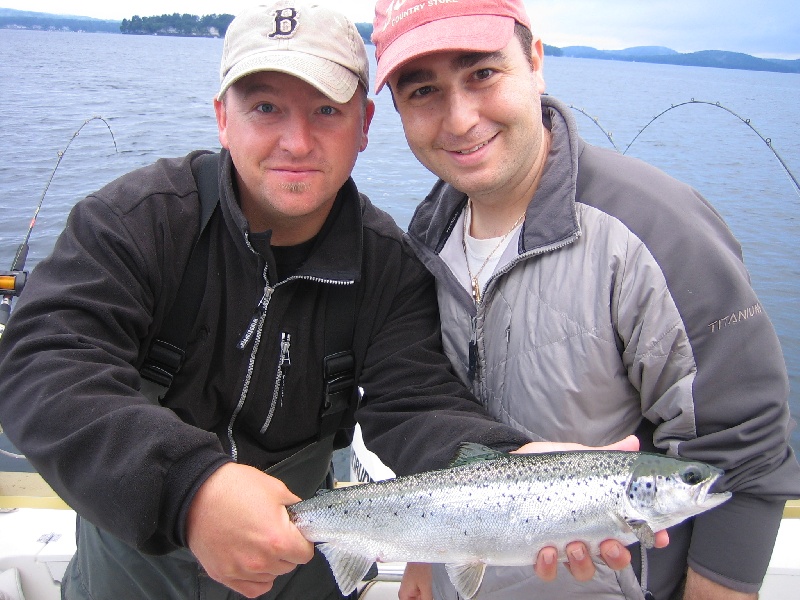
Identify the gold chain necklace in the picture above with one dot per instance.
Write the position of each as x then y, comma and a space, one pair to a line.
476, 286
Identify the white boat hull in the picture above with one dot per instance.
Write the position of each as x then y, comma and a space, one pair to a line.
40, 542
37, 539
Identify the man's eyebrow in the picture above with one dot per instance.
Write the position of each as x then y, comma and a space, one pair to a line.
460, 62
248, 88
413, 77
465, 61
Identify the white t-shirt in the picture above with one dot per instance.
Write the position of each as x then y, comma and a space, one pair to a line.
478, 251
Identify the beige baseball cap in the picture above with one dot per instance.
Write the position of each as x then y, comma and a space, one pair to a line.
309, 41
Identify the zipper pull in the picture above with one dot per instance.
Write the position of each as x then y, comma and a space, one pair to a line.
286, 361
280, 379
473, 349
261, 308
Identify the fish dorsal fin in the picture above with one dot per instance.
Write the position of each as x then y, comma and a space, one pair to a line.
466, 577
470, 452
348, 568
644, 532
322, 492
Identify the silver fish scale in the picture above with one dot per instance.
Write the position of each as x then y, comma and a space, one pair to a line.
499, 512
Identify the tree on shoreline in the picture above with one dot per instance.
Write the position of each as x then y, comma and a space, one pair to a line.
176, 24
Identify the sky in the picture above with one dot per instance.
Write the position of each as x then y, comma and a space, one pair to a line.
769, 28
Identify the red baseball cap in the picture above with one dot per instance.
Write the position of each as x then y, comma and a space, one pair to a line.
404, 30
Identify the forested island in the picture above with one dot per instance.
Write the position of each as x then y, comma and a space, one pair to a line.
192, 25
183, 25
216, 25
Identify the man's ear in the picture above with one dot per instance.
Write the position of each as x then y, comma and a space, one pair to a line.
537, 63
369, 112
222, 121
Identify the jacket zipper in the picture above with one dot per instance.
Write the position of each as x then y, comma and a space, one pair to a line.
529, 254
256, 328
280, 378
474, 357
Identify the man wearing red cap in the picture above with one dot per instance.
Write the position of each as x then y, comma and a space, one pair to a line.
170, 483
576, 288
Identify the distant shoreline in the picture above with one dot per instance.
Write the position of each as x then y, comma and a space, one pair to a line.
214, 26
720, 59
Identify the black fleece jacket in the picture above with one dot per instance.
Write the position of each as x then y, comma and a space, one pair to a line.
69, 357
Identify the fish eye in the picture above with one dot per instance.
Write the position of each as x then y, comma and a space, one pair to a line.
692, 475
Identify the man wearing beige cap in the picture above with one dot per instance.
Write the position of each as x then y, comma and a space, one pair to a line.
580, 293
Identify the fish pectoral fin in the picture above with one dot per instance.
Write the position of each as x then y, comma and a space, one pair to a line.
470, 452
348, 567
644, 532
466, 577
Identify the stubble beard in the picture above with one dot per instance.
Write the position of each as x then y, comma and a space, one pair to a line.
295, 187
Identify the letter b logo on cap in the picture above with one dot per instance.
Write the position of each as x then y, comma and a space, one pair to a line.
285, 23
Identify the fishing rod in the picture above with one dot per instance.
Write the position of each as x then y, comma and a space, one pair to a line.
13, 281
766, 140
595, 120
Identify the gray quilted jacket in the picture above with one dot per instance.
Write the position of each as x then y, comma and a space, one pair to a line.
624, 307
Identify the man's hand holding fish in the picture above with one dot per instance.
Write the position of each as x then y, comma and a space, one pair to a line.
416, 583
614, 553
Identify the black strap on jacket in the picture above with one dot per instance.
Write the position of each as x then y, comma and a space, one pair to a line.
338, 368
165, 357
166, 354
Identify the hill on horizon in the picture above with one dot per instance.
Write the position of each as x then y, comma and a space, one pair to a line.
721, 59
25, 19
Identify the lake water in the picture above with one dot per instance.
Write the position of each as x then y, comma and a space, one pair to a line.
155, 93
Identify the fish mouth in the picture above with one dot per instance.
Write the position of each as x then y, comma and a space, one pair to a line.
705, 498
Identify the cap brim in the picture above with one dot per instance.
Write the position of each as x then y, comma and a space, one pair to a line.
478, 33
332, 79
